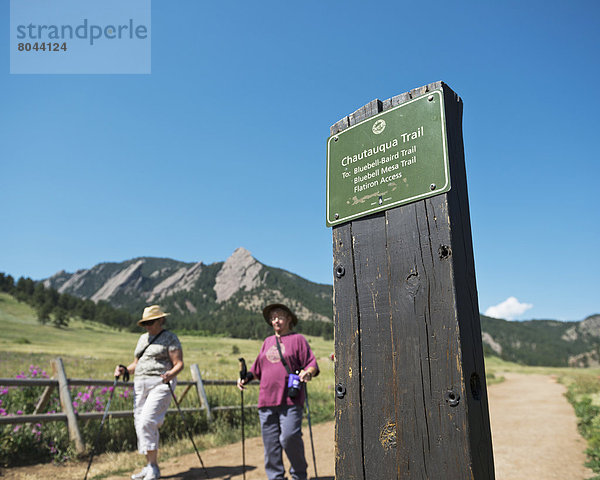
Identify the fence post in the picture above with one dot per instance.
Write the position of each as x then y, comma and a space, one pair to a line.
200, 389
67, 404
410, 378
43, 401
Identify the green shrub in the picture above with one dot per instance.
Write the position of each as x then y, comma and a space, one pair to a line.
25, 443
588, 417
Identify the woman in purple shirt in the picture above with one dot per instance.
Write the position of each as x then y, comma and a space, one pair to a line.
280, 407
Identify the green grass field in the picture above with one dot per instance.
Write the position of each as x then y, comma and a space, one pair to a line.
90, 350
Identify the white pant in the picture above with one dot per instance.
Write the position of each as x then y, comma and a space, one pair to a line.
151, 400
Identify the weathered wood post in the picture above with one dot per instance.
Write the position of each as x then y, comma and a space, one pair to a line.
411, 398
67, 404
200, 390
44, 399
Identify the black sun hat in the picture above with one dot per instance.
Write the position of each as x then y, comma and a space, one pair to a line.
275, 306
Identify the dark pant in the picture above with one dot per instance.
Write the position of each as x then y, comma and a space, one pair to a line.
282, 429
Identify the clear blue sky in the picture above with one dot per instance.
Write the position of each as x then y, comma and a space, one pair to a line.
223, 144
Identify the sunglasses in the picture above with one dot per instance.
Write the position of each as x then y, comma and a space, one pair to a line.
148, 323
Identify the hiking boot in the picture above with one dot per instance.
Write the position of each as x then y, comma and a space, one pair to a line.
142, 474
153, 473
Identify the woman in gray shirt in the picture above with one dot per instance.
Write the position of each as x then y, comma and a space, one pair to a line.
158, 360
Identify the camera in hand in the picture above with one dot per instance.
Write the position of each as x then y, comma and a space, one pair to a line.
293, 385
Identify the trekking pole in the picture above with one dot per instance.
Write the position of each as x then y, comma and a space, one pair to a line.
125, 379
312, 445
243, 373
187, 429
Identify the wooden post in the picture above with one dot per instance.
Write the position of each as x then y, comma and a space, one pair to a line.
410, 379
44, 399
185, 392
67, 404
200, 390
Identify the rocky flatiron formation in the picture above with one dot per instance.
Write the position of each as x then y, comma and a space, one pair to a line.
241, 271
183, 280
489, 340
586, 329
142, 278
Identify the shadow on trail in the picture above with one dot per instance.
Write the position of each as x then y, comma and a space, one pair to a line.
225, 472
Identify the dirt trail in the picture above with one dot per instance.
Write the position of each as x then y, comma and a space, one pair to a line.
534, 431
533, 428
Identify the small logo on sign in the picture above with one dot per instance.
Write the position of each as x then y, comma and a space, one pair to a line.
379, 126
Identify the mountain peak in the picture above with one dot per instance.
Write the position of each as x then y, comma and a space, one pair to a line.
240, 271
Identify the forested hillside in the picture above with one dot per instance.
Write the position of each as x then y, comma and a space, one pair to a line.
58, 308
544, 342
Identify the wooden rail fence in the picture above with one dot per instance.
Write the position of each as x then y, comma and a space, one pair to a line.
62, 382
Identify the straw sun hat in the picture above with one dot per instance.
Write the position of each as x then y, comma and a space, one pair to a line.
151, 313
278, 306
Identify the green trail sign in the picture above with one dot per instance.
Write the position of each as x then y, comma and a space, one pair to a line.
393, 158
